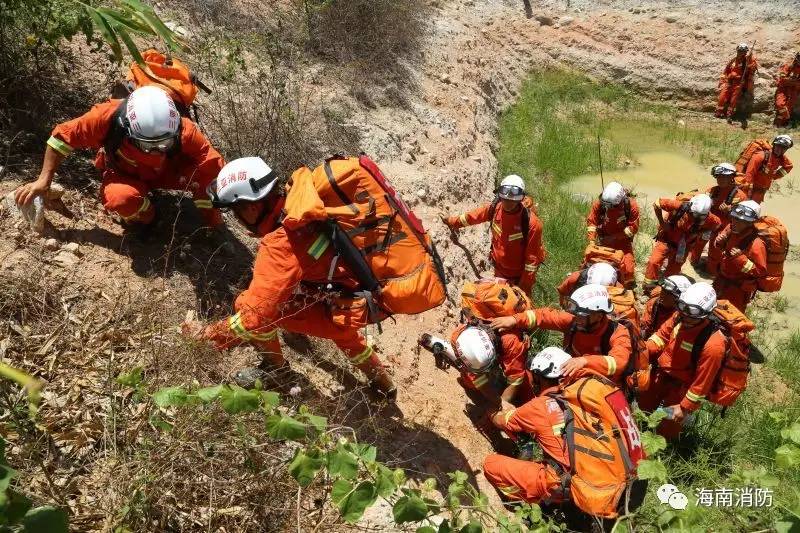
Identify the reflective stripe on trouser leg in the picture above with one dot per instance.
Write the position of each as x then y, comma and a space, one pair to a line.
366, 360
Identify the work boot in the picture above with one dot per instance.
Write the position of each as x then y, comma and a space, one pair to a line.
382, 384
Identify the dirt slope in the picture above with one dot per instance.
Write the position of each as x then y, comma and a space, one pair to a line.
438, 151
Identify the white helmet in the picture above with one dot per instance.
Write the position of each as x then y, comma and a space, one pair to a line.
676, 284
590, 298
748, 211
601, 274
743, 47
246, 178
698, 300
723, 169
700, 204
548, 362
475, 348
783, 140
512, 188
151, 119
613, 194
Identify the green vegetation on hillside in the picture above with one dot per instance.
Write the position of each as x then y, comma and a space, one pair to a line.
549, 137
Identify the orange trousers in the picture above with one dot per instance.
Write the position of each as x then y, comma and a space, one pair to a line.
664, 390
315, 322
662, 252
785, 101
729, 95
527, 481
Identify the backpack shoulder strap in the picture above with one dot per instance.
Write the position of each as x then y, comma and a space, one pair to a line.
116, 133
627, 206
605, 340
525, 222
701, 340
568, 336
678, 214
493, 208
732, 195
582, 277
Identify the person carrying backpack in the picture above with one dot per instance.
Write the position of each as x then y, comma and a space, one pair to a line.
586, 430
663, 302
737, 79
766, 166
517, 249
743, 257
686, 367
689, 224
347, 253
724, 195
613, 221
143, 144
787, 91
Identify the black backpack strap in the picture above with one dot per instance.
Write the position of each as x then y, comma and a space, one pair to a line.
582, 278
732, 195
526, 225
335, 186
116, 134
605, 340
627, 205
678, 214
569, 336
701, 340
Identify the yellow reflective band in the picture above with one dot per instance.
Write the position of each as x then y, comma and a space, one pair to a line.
59, 146
319, 246
142, 208
590, 229
264, 337
507, 415
531, 316
694, 397
203, 204
516, 381
463, 219
235, 325
481, 380
530, 267
362, 357
509, 490
675, 331
515, 237
648, 281
128, 160
612, 364
782, 171
656, 339
629, 232
496, 228
748, 267
558, 429
687, 346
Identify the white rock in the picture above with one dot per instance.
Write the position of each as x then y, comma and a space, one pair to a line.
51, 244
671, 18
422, 193
66, 258
566, 21
681, 122
71, 247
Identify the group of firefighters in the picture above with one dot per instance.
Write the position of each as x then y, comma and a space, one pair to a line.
145, 141
737, 81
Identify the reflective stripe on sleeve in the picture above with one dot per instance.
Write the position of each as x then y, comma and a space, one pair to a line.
463, 219
628, 232
515, 237
612, 364
142, 208
319, 246
59, 146
531, 267
235, 325
694, 397
496, 228
748, 266
507, 415
203, 204
531, 316
591, 229
688, 346
517, 381
481, 380
657, 340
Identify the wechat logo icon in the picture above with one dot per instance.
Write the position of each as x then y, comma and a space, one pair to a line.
670, 495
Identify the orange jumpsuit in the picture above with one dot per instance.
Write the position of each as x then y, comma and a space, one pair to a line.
513, 259
584, 344
731, 84
737, 278
513, 355
132, 174
674, 379
531, 481
675, 242
654, 315
570, 284
762, 169
288, 266
613, 229
719, 195
787, 92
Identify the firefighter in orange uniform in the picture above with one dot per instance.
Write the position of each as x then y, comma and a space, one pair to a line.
678, 383
613, 221
543, 419
287, 262
743, 257
595, 342
724, 195
737, 79
145, 144
662, 306
517, 248
787, 91
597, 273
767, 166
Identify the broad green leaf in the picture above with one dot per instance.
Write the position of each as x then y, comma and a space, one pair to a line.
160, 423
15, 507
282, 427
365, 452
147, 14
665, 518
792, 433
342, 463
480, 500
105, 31
238, 400
124, 19
399, 476
270, 399
426, 529
132, 378
409, 508
472, 527
654, 418
458, 476
6, 475
787, 456
384, 481
621, 526
209, 394
653, 443
444, 527
778, 416
787, 525
352, 502
47, 518
304, 466
170, 397
429, 484
652, 469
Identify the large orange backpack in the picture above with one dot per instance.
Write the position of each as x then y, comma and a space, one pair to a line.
776, 239
374, 235
754, 146
490, 298
731, 380
595, 253
603, 442
624, 301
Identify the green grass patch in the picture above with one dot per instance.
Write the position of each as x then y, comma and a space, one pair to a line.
550, 137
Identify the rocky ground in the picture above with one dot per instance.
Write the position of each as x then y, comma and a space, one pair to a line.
438, 150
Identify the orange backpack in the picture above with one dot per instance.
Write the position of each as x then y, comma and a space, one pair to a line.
731, 380
603, 442
624, 301
776, 239
603, 254
757, 145
490, 298
374, 235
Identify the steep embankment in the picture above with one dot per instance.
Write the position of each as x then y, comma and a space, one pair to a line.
438, 149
